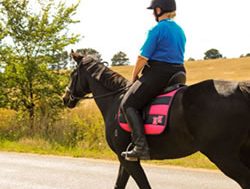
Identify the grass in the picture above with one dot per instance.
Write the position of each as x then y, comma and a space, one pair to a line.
222, 69
39, 146
87, 111
196, 160
225, 69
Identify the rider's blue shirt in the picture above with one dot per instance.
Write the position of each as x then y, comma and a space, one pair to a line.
165, 42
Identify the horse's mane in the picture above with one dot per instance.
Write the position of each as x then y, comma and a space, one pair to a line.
109, 78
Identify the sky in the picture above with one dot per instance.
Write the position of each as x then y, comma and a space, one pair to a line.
110, 26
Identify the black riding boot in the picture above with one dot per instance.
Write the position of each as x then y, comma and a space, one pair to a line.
141, 149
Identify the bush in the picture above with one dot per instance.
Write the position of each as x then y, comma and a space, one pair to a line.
81, 127
12, 126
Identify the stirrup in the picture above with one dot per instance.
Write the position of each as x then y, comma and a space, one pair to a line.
130, 158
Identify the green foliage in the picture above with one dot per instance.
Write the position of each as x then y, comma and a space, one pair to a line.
212, 54
120, 59
35, 44
62, 61
2, 96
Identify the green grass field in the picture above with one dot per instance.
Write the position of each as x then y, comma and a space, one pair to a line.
86, 117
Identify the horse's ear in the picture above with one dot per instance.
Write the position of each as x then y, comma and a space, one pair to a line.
76, 56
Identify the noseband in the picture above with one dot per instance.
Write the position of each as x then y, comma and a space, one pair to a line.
73, 97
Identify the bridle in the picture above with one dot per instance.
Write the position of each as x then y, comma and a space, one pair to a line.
73, 97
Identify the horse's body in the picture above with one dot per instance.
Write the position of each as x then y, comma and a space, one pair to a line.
212, 117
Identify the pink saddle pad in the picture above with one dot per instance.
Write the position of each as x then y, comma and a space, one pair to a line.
155, 115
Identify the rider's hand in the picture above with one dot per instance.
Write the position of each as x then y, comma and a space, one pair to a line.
135, 78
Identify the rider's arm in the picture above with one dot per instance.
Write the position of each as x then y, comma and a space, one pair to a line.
140, 63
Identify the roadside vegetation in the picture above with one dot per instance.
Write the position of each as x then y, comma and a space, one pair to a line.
80, 132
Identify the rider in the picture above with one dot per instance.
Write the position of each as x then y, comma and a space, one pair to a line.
162, 55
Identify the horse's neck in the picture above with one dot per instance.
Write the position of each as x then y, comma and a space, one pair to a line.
102, 81
105, 104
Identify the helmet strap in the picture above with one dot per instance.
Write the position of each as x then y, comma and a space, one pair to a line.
158, 15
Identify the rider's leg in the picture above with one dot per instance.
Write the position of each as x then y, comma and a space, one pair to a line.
152, 82
130, 106
141, 149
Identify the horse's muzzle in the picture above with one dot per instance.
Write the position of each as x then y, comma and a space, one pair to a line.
68, 102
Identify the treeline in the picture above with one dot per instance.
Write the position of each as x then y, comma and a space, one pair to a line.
119, 59
215, 54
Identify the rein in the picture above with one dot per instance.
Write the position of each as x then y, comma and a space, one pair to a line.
72, 97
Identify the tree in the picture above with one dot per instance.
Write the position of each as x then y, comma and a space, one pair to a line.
3, 34
191, 59
2, 95
120, 59
36, 39
212, 54
63, 60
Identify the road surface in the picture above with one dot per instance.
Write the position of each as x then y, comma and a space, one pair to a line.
27, 171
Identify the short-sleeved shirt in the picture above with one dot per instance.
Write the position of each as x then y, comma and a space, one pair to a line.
165, 43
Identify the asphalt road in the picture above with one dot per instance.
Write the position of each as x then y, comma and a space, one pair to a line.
26, 171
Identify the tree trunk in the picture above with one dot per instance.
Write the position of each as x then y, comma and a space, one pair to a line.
31, 110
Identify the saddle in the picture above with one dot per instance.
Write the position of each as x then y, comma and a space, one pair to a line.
156, 113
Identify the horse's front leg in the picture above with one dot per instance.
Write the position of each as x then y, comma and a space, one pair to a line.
122, 178
135, 169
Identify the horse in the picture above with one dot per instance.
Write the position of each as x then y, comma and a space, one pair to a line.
211, 116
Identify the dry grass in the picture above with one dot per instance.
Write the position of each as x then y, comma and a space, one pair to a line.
6, 117
224, 69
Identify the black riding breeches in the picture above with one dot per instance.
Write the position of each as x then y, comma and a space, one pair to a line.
154, 79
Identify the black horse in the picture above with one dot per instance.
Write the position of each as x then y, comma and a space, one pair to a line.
212, 117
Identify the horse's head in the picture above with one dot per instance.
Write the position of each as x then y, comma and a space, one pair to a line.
76, 56
78, 86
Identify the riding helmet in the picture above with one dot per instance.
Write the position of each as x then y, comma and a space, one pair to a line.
165, 5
